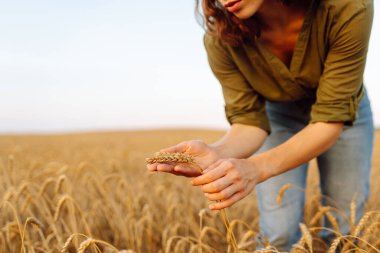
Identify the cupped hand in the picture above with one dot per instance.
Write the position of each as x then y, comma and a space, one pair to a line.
204, 155
228, 181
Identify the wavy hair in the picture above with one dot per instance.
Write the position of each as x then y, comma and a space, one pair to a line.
215, 19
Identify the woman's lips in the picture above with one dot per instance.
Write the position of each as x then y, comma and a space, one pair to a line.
232, 6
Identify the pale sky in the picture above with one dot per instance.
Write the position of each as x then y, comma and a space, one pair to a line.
105, 65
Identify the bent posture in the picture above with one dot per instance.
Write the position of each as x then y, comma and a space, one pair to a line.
292, 79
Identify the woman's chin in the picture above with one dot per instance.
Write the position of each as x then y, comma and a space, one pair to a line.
243, 15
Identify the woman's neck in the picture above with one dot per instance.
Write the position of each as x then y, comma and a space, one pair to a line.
273, 14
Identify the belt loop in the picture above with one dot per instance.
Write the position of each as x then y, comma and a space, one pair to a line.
353, 107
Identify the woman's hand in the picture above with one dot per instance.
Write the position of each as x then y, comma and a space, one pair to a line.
228, 181
203, 154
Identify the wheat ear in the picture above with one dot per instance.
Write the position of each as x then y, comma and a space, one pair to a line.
162, 157
65, 247
334, 245
307, 236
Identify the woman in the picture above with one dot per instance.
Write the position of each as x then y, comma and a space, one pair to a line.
292, 79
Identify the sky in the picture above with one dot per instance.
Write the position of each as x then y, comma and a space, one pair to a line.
95, 65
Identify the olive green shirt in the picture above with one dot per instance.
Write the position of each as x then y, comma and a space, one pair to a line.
327, 65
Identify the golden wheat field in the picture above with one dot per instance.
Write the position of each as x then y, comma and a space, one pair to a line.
90, 192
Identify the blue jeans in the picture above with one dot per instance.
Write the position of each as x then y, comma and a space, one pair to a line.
344, 170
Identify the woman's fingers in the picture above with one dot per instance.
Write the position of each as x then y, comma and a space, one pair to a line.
213, 166
163, 167
217, 185
152, 167
179, 169
228, 202
179, 148
158, 167
226, 182
225, 193
187, 170
210, 175
202, 153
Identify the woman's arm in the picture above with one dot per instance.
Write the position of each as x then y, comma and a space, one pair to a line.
230, 180
312, 141
240, 141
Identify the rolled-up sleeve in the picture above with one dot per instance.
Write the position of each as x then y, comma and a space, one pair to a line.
341, 84
242, 103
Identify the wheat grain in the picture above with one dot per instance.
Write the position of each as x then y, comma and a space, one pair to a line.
58, 185
163, 157
268, 249
45, 184
371, 231
247, 240
22, 188
308, 238
334, 245
85, 244
67, 244
59, 207
353, 211
34, 221
298, 248
9, 194
362, 223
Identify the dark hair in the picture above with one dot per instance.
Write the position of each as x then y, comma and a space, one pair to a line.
233, 31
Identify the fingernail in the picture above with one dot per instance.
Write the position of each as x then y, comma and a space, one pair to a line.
212, 207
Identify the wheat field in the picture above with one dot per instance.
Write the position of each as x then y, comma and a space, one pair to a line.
90, 192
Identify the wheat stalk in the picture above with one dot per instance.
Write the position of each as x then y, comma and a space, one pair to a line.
67, 244
14, 212
353, 211
59, 206
281, 192
45, 184
59, 183
362, 223
334, 245
85, 244
268, 249
307, 236
371, 231
317, 217
332, 220
298, 247
163, 157
33, 221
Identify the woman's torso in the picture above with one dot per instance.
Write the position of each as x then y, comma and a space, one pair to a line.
280, 74
325, 65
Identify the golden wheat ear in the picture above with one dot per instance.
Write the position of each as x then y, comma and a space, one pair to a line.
162, 157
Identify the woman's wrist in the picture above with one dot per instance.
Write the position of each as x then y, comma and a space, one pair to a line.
219, 150
262, 168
